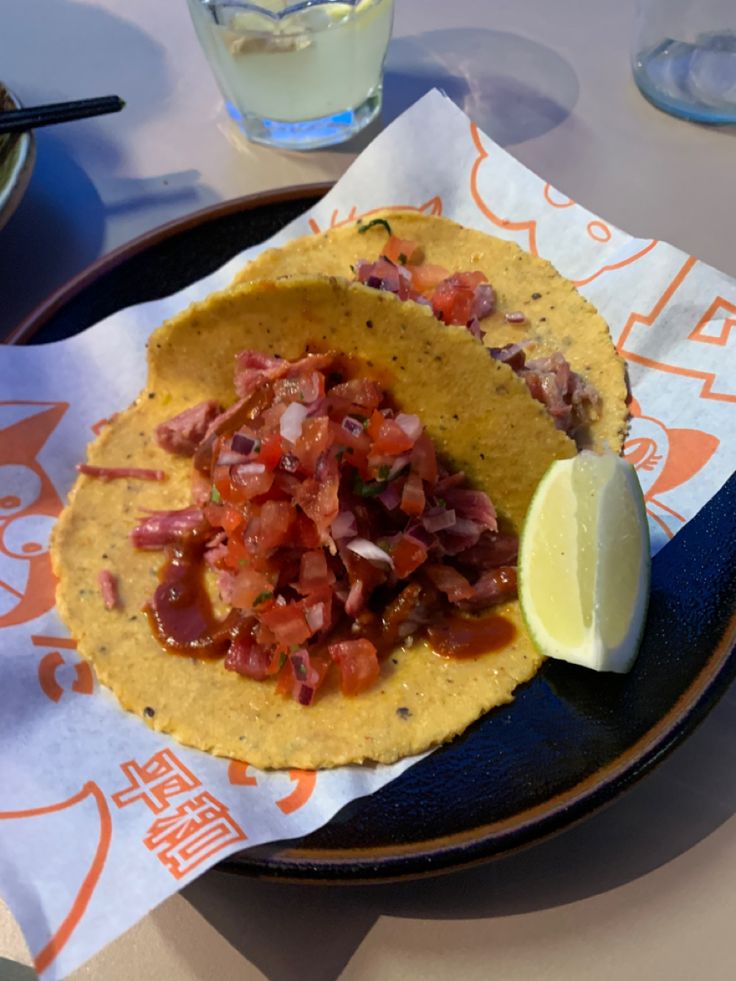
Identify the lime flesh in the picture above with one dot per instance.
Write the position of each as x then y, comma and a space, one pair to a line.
584, 563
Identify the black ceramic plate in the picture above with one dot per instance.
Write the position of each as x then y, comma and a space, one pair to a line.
570, 742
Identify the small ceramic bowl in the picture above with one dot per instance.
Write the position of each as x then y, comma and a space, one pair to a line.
17, 155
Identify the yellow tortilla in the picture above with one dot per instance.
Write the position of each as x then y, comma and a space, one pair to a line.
482, 420
558, 317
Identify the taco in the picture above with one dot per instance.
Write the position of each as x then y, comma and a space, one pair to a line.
521, 308
286, 563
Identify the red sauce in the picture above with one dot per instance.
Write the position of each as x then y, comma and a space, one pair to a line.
465, 637
180, 614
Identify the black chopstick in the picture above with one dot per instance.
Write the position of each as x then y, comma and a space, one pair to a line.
18, 120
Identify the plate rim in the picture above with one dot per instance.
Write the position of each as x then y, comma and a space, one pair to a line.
465, 849
36, 319
446, 853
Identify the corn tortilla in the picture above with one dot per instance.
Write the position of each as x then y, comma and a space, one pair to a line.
482, 420
559, 318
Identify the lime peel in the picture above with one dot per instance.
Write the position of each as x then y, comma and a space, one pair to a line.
584, 563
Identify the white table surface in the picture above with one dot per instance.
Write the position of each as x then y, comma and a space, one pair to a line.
644, 889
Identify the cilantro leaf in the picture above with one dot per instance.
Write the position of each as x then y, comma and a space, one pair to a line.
362, 228
366, 489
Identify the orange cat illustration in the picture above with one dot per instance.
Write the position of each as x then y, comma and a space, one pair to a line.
665, 458
29, 505
59, 821
593, 247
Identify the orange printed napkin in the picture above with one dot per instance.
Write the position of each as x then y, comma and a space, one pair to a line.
101, 818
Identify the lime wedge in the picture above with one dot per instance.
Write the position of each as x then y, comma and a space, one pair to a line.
584, 563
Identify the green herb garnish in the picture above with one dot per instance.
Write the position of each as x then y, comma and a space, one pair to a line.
402, 259
383, 471
282, 661
215, 496
300, 671
262, 597
366, 490
375, 221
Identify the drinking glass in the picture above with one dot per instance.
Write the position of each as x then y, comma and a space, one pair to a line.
297, 75
684, 57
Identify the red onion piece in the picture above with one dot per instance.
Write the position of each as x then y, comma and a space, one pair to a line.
344, 525
240, 443
370, 552
510, 354
398, 465
420, 534
290, 424
390, 497
228, 457
439, 519
302, 669
473, 326
355, 600
246, 469
484, 301
317, 408
305, 694
352, 426
464, 526
315, 617
411, 425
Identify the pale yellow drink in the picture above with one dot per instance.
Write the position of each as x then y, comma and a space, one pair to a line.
315, 62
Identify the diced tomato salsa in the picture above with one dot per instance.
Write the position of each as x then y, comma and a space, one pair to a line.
467, 298
334, 532
462, 298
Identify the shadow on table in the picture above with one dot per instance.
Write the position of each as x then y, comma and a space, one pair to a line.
513, 88
33, 261
12, 971
692, 793
45, 242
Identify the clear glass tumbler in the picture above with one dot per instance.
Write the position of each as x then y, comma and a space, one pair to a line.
297, 75
684, 57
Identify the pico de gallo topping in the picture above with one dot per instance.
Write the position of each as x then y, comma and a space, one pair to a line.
467, 298
462, 298
334, 532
